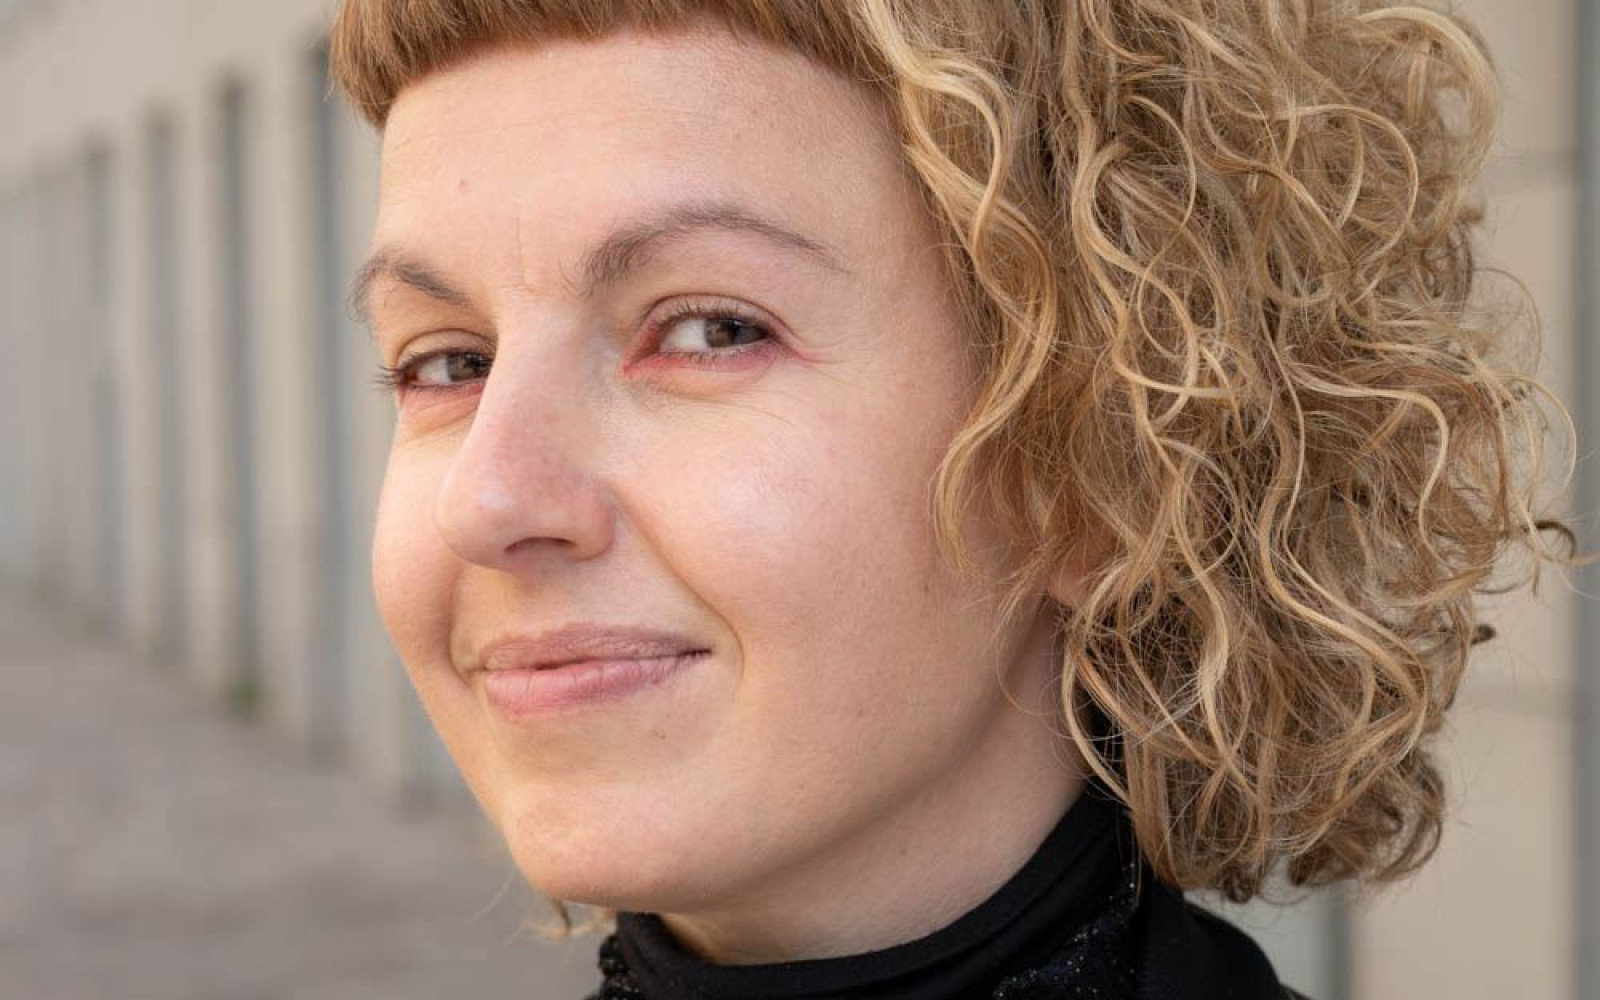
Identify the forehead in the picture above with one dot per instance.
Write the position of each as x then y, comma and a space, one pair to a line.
572, 137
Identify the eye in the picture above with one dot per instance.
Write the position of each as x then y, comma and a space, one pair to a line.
433, 371
709, 333
715, 332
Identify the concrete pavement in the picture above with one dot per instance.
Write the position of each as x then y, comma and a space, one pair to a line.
151, 848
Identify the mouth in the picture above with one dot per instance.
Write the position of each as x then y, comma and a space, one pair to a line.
578, 661
580, 664
581, 642
524, 693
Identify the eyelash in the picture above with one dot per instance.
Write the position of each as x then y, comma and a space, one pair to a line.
393, 379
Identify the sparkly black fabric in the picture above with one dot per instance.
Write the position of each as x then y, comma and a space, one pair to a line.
1084, 919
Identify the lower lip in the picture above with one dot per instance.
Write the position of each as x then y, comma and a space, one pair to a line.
524, 691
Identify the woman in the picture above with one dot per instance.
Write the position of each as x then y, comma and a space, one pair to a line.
886, 494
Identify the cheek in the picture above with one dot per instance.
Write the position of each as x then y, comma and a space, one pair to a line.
413, 572
415, 577
811, 538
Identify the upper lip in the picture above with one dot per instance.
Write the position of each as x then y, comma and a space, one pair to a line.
580, 641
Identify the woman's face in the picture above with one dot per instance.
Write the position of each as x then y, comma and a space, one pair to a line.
690, 366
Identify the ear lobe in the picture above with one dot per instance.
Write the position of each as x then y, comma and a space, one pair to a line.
1070, 584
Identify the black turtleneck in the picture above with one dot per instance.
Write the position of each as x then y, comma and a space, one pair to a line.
1083, 918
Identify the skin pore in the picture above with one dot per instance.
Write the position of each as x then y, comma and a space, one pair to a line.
688, 362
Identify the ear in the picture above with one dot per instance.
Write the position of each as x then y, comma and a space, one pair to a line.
1070, 584
1067, 587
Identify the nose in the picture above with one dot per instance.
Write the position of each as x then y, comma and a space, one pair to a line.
523, 485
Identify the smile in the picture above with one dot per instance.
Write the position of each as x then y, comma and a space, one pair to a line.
520, 693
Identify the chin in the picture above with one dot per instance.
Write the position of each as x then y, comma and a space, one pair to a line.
606, 858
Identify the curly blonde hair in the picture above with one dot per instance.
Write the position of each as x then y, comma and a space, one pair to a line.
1216, 260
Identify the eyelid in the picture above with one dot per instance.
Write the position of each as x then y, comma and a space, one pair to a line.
660, 317
392, 378
656, 322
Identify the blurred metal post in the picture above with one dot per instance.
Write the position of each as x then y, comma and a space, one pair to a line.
105, 378
329, 690
1586, 645
235, 147
165, 316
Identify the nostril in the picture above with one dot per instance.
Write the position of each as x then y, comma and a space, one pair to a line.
491, 517
514, 480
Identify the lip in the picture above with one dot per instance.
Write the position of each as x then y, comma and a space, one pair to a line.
579, 664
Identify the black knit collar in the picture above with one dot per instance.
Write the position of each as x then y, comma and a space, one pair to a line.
1069, 907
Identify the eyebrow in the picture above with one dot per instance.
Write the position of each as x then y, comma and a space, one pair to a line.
398, 265
620, 253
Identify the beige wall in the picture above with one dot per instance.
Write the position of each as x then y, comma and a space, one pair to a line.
74, 72
1492, 915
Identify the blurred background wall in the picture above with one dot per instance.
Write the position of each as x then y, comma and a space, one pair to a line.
192, 453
